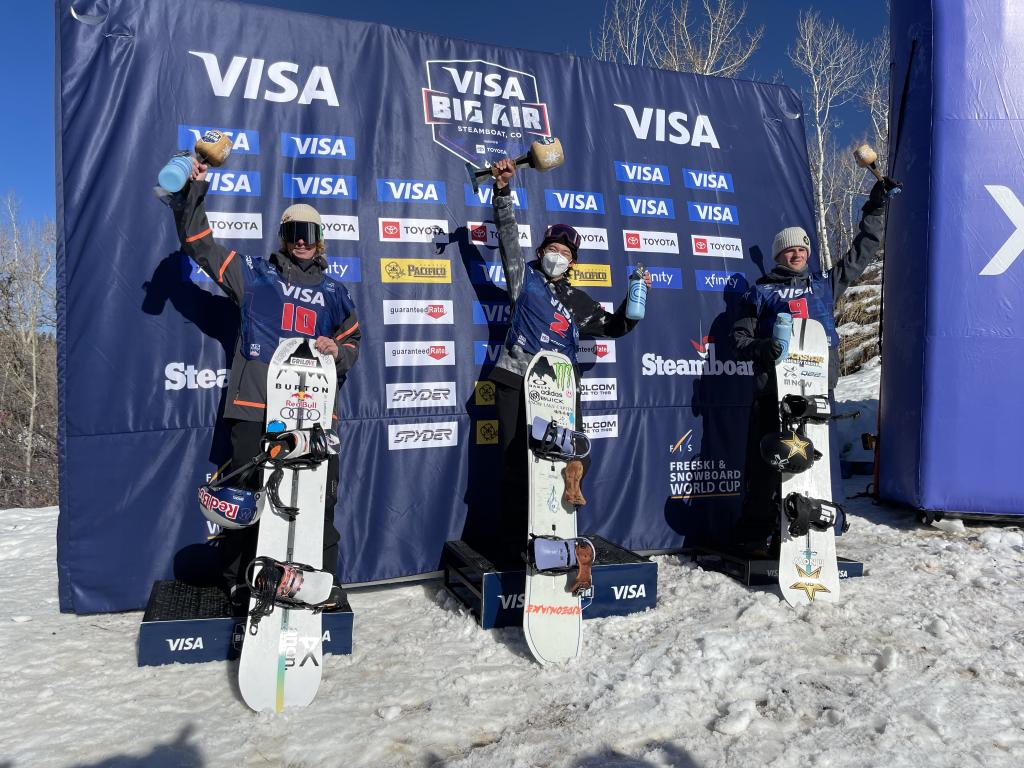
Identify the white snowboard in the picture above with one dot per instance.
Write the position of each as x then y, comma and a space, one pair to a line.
552, 616
808, 572
281, 659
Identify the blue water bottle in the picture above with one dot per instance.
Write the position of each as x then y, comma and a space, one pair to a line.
782, 332
636, 299
172, 177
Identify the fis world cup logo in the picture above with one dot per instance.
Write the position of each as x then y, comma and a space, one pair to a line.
481, 111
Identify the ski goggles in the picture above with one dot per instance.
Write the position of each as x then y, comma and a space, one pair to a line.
306, 231
565, 234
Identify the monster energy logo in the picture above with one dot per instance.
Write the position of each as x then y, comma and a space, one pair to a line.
563, 374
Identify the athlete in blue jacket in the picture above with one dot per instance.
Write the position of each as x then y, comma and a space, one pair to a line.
549, 313
790, 287
287, 294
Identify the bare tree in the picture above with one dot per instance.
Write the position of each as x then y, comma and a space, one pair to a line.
717, 46
874, 94
630, 32
832, 60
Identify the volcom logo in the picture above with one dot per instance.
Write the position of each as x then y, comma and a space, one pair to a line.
318, 84
1014, 245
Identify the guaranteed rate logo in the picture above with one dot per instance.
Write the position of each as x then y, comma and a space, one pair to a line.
480, 111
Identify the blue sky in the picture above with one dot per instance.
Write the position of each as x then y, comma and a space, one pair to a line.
557, 26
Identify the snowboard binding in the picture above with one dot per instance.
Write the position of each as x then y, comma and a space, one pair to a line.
290, 585
295, 449
552, 555
805, 513
797, 410
553, 442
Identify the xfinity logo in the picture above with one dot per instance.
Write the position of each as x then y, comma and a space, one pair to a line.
596, 351
283, 76
716, 213
593, 238
486, 233
187, 376
592, 390
706, 245
641, 172
410, 191
720, 182
598, 427
337, 227
1014, 245
711, 280
418, 312
244, 183
662, 277
572, 200
345, 268
318, 185
399, 353
669, 126
318, 145
651, 207
240, 226
438, 434
433, 394
484, 196
243, 142
653, 242
411, 230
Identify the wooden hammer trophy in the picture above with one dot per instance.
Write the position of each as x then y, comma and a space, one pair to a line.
866, 157
544, 154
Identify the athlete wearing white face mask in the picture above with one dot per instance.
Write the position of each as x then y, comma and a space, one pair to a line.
550, 313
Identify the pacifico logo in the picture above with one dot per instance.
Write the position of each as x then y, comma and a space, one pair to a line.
411, 230
594, 275
415, 271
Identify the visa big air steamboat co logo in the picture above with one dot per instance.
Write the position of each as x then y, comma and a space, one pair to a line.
481, 112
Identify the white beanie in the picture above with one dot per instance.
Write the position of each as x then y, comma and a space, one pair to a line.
302, 212
791, 237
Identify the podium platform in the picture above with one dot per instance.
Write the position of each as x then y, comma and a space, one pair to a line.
624, 583
757, 572
188, 624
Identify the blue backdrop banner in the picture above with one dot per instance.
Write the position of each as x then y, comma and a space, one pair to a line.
374, 126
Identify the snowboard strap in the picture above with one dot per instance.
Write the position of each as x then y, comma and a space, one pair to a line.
798, 410
288, 584
552, 441
586, 554
805, 513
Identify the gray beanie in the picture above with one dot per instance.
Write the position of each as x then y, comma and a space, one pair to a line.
791, 237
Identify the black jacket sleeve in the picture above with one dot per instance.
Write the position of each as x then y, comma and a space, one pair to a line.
347, 337
197, 241
744, 334
595, 320
866, 243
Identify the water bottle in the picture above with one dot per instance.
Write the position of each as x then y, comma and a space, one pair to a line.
172, 177
782, 332
636, 299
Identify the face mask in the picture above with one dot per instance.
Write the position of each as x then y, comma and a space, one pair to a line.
553, 263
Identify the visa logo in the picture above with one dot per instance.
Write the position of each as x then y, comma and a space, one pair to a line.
485, 353
185, 643
488, 273
484, 196
663, 277
570, 200
344, 268
713, 280
318, 185
713, 212
641, 172
648, 207
629, 591
243, 142
721, 182
491, 313
410, 191
244, 183
512, 601
317, 145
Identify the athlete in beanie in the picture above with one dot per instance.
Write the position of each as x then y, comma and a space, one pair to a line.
790, 287
263, 288
548, 313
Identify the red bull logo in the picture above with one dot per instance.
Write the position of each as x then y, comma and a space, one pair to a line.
209, 501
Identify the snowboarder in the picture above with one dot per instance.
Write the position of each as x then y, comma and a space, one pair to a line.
790, 288
286, 294
547, 313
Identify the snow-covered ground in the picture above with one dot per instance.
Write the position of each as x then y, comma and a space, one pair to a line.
921, 664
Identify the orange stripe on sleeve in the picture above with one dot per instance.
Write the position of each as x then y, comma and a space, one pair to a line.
349, 332
200, 236
220, 275
251, 405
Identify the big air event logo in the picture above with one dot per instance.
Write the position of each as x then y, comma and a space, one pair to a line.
481, 112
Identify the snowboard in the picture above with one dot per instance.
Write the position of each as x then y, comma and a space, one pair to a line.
280, 664
552, 615
808, 572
